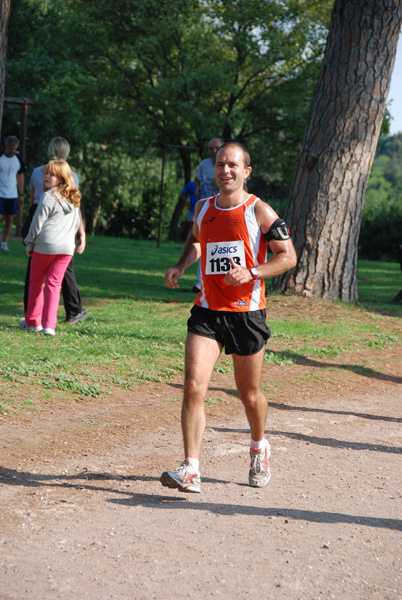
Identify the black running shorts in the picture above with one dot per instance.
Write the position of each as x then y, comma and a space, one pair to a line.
242, 333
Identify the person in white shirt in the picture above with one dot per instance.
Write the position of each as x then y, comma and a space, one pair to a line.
206, 171
12, 170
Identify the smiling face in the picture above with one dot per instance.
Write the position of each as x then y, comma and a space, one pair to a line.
230, 171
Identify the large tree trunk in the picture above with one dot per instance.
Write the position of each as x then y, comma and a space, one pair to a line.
4, 16
326, 200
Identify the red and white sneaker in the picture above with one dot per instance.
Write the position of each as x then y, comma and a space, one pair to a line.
182, 479
260, 471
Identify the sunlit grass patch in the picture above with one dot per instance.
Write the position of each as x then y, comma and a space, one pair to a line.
136, 329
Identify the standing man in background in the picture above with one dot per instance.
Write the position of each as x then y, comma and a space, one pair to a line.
12, 170
206, 171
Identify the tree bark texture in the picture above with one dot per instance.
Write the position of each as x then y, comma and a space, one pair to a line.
4, 16
326, 199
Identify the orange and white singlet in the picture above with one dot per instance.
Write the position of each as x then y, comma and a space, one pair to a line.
224, 233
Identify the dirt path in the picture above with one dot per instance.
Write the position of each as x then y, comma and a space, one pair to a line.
84, 515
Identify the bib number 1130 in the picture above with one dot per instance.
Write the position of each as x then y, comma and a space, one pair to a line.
219, 255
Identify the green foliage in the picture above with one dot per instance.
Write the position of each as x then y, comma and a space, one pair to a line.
381, 229
41, 66
119, 79
386, 122
119, 200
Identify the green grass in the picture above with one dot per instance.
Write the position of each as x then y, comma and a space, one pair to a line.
136, 328
378, 283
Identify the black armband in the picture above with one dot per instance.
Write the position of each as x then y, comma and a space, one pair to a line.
278, 231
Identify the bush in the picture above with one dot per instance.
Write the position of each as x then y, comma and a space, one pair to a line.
381, 227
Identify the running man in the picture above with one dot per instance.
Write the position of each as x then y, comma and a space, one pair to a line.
231, 232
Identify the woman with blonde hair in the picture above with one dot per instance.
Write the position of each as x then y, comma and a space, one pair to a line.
51, 244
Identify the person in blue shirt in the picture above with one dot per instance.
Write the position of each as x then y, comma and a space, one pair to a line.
188, 196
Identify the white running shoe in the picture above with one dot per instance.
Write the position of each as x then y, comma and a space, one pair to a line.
24, 325
48, 331
4, 247
182, 479
260, 471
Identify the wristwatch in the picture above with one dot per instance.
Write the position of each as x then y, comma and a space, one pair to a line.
254, 273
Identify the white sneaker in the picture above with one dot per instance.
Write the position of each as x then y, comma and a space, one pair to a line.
182, 479
48, 331
24, 325
5, 247
260, 471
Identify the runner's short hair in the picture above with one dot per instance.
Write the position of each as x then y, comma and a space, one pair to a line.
246, 155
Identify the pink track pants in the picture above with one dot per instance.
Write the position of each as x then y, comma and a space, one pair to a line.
42, 309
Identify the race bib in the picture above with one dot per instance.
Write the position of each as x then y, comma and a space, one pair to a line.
219, 253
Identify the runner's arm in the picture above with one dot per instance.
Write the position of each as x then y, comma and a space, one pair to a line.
284, 253
191, 252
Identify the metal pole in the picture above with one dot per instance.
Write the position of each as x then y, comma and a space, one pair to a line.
11, 100
23, 134
23, 130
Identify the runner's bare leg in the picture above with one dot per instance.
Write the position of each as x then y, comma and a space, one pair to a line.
200, 359
248, 371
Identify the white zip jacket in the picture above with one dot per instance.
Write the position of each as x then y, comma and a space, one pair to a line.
54, 226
